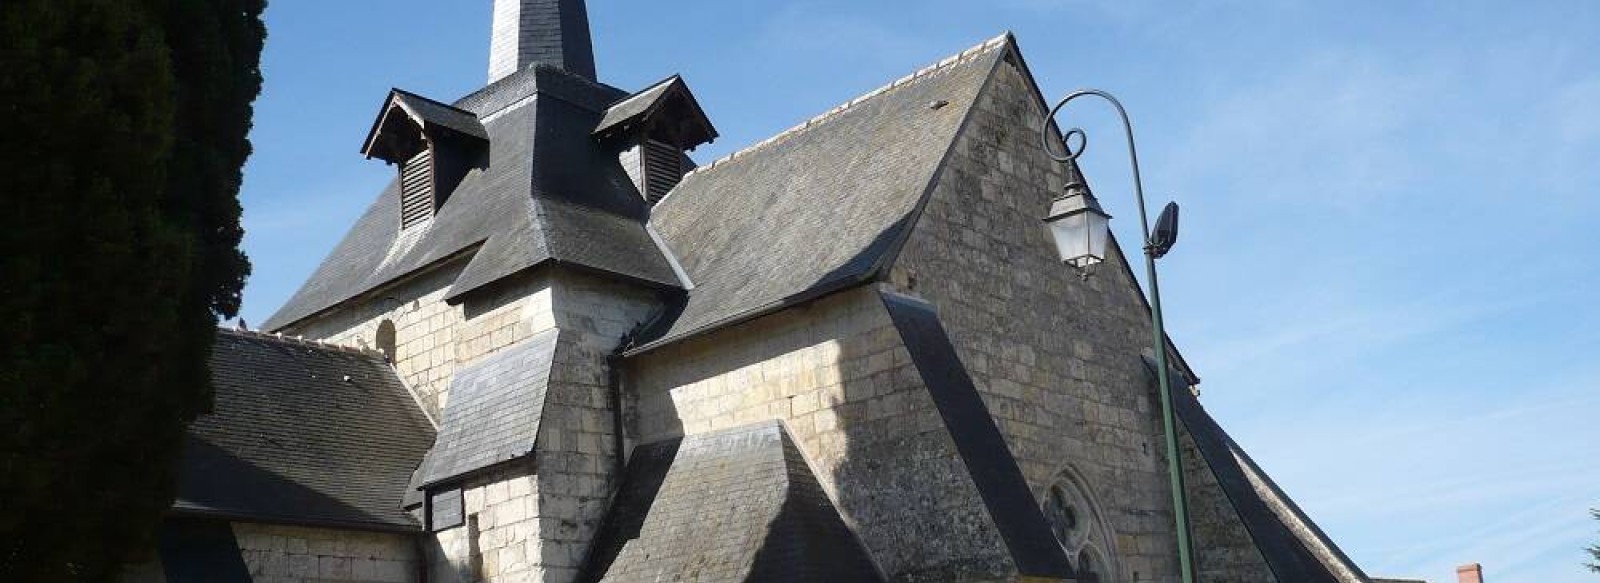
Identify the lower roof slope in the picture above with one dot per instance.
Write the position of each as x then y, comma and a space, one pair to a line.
1295, 549
734, 505
303, 433
495, 410
820, 207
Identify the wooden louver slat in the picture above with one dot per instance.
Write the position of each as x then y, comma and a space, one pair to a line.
663, 169
416, 190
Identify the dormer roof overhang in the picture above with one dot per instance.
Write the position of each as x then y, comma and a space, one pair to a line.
408, 119
666, 111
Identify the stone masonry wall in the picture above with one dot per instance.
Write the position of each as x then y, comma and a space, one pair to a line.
531, 522
433, 337
838, 376
1224, 551
576, 459
1056, 357
498, 534
291, 554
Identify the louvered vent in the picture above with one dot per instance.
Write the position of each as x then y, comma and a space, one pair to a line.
416, 190
663, 169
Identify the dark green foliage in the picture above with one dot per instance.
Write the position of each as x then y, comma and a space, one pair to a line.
1594, 551
123, 139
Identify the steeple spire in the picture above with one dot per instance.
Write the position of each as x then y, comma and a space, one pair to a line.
551, 32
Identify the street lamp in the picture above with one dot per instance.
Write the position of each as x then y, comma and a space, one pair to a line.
1081, 230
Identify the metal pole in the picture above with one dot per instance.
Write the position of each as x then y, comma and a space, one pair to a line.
1180, 506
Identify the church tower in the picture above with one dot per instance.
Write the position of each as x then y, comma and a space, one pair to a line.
500, 274
552, 32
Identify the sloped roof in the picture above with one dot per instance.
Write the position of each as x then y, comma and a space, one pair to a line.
728, 506
428, 111
1294, 547
637, 105
291, 440
820, 207
545, 192
689, 124
495, 410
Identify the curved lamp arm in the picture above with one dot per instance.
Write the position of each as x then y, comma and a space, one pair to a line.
1158, 328
1071, 155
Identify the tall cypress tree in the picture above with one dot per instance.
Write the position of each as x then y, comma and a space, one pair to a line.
124, 134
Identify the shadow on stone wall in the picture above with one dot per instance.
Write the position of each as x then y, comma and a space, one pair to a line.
839, 377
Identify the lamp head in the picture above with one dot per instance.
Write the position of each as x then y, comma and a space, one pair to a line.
1079, 227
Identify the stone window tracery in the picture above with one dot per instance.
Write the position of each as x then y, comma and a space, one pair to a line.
1080, 529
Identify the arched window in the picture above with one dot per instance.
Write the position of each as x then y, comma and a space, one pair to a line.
385, 339
1080, 528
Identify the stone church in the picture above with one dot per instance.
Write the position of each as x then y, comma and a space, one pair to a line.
557, 349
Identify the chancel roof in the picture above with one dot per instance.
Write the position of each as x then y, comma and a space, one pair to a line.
303, 433
818, 208
728, 506
543, 191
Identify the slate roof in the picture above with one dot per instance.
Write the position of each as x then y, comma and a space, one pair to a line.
636, 105
545, 193
1295, 549
669, 101
746, 229
495, 409
735, 505
429, 111
291, 441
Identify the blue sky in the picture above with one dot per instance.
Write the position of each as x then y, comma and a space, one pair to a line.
1390, 211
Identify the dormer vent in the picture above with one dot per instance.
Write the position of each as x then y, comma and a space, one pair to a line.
663, 169
433, 144
651, 131
416, 190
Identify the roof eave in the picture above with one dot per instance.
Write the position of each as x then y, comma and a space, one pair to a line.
802, 298
285, 520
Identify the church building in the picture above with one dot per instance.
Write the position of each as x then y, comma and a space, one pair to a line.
558, 349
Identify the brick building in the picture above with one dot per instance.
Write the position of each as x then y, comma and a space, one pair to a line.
558, 350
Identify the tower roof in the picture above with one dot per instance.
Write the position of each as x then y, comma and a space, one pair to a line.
554, 33
544, 192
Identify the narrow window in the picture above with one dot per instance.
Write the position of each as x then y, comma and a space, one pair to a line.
386, 340
416, 189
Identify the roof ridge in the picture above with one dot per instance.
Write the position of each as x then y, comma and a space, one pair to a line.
301, 341
946, 63
394, 90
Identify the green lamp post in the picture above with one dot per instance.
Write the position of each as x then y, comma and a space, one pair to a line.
1081, 231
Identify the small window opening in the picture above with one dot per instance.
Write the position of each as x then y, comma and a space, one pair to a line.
386, 340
